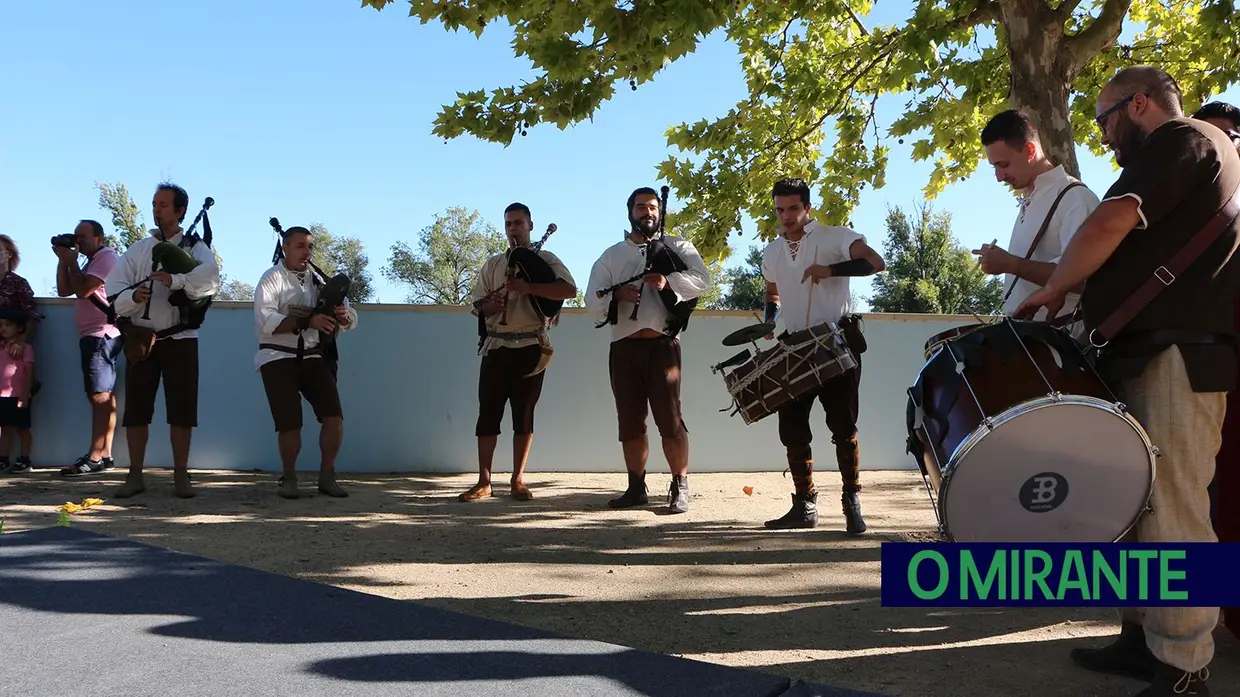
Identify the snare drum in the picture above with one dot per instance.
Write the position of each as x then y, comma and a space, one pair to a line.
801, 363
1021, 441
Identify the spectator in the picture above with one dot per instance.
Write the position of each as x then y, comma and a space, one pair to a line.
98, 342
16, 381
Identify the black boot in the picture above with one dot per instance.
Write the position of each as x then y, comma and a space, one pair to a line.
852, 513
1173, 682
635, 495
803, 514
1128, 655
678, 497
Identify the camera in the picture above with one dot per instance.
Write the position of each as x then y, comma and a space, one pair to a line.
67, 240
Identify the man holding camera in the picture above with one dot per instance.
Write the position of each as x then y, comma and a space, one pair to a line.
99, 341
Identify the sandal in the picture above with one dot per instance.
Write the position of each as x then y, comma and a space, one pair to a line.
477, 491
521, 492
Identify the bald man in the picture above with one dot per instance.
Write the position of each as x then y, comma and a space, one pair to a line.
1175, 361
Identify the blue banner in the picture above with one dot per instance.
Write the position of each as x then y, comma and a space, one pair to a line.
953, 574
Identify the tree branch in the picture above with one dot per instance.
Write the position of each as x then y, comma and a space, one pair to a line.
1097, 37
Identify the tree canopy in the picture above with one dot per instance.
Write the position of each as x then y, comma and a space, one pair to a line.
814, 66
451, 251
928, 271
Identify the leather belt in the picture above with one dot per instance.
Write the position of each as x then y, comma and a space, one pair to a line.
314, 351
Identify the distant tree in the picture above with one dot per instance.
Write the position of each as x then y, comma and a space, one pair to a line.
746, 286
235, 290
579, 301
115, 199
929, 272
346, 254
451, 252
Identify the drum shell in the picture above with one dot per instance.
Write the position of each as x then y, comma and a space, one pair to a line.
801, 364
1009, 379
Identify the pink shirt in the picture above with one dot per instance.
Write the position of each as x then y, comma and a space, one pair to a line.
91, 321
13, 374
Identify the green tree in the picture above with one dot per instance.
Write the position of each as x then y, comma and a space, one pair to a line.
451, 251
235, 290
115, 199
746, 286
816, 65
928, 271
345, 254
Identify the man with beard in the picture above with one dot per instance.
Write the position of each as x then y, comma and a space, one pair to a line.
174, 356
1052, 206
1175, 361
514, 354
291, 362
808, 270
644, 359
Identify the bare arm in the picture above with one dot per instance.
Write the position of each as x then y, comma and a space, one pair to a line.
63, 289
861, 250
80, 284
1094, 243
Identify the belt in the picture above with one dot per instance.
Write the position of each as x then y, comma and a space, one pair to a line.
290, 349
513, 335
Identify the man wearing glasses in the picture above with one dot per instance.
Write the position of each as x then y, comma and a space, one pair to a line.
1175, 359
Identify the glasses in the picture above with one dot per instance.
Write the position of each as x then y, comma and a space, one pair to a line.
1101, 119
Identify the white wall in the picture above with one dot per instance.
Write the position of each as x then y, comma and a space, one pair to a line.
408, 381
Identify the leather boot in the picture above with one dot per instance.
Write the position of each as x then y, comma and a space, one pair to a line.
635, 495
328, 485
181, 484
852, 513
803, 514
678, 497
1128, 655
288, 487
134, 484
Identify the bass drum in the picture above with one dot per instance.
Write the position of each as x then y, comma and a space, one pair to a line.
1021, 441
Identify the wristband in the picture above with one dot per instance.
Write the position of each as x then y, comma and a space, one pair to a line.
852, 267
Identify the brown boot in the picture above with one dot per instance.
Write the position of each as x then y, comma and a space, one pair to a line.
134, 485
328, 485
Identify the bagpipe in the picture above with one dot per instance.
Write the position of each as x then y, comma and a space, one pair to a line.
525, 264
333, 291
172, 258
660, 259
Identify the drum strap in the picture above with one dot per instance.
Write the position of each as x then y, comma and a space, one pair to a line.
1046, 224
1166, 274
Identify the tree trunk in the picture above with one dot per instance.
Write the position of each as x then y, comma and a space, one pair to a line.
1041, 84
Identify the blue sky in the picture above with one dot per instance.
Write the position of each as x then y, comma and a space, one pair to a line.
321, 110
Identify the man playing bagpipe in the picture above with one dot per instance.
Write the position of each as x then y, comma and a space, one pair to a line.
631, 286
159, 311
514, 317
292, 325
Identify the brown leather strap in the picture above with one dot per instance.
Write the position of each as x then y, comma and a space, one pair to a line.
1166, 274
1046, 224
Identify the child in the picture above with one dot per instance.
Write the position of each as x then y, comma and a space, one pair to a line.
16, 379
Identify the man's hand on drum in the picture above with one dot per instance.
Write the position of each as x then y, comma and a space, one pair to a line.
1048, 297
817, 272
994, 260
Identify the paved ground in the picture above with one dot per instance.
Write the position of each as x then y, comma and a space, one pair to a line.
711, 584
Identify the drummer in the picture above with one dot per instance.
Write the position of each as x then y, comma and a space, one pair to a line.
807, 271
1053, 204
1171, 358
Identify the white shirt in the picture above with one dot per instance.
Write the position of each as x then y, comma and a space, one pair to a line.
135, 265
521, 315
829, 299
624, 260
277, 292
1075, 207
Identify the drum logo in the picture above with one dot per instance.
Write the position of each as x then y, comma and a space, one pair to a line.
1043, 492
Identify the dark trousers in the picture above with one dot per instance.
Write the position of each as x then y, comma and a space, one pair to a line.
840, 399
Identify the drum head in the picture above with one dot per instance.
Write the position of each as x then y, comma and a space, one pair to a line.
1072, 471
